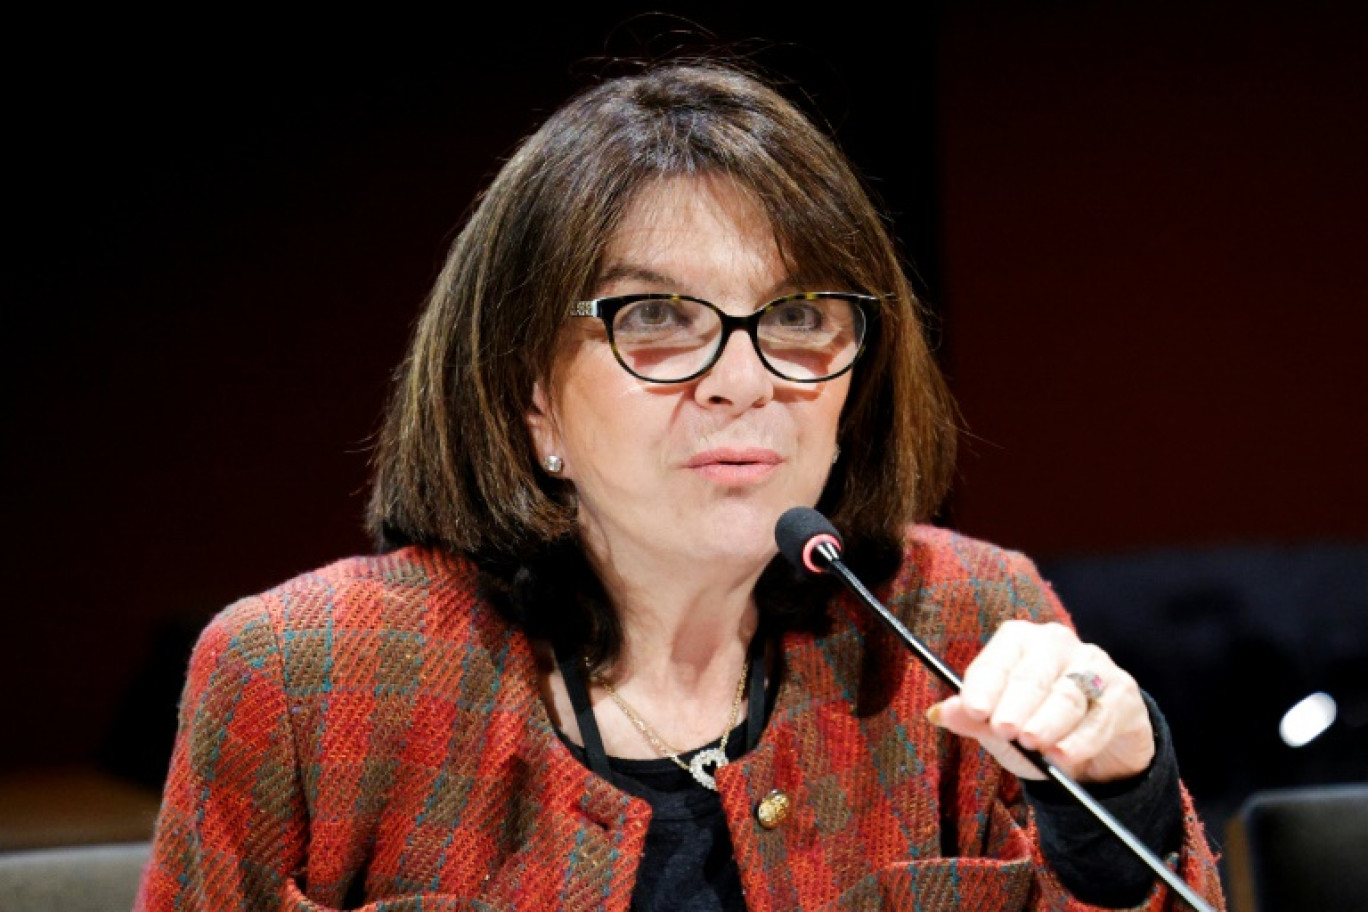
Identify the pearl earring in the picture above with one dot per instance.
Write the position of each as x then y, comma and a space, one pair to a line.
836, 455
553, 464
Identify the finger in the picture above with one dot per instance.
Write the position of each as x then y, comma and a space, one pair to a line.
1087, 739
986, 677
1116, 738
1066, 705
951, 715
1061, 712
1031, 681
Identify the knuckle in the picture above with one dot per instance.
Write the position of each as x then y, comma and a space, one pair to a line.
1056, 631
1093, 655
1029, 676
1070, 692
1126, 685
1013, 628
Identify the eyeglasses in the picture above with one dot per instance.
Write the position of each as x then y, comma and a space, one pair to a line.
669, 338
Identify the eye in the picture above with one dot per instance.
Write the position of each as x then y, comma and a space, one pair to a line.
652, 313
655, 316
796, 315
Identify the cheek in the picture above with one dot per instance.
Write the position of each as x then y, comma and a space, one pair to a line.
825, 417
609, 426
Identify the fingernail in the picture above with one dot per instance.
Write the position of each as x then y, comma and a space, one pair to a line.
933, 713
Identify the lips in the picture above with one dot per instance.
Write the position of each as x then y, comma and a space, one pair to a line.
733, 456
730, 465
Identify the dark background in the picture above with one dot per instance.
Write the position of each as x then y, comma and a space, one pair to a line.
1141, 227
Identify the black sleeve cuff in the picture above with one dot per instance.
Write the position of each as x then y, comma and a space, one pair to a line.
1094, 865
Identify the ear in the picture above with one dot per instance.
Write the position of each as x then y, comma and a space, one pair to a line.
541, 422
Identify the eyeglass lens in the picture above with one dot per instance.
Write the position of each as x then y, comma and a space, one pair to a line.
669, 339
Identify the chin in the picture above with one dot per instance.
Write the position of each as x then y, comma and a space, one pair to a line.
741, 533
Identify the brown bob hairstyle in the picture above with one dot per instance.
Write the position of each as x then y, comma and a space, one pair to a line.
455, 466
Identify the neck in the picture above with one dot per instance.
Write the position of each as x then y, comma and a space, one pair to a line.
679, 616
672, 707
678, 629
686, 638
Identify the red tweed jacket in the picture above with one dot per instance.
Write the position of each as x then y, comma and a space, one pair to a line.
371, 736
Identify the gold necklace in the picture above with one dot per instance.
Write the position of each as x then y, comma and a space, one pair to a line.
716, 757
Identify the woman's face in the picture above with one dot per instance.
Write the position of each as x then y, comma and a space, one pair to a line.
698, 472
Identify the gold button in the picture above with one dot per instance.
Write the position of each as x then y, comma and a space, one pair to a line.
773, 809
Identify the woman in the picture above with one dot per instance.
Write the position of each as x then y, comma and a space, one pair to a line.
577, 675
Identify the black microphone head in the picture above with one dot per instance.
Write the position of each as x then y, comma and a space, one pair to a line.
798, 531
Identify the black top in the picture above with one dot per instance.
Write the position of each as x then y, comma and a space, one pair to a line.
687, 835
688, 830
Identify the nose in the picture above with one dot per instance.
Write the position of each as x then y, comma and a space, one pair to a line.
738, 379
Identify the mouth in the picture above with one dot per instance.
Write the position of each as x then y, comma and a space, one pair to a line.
735, 466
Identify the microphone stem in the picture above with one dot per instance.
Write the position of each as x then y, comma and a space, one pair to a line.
929, 658
833, 561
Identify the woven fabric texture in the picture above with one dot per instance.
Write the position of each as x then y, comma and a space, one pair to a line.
371, 736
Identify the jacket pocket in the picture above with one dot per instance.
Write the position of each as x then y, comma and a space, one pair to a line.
296, 901
957, 884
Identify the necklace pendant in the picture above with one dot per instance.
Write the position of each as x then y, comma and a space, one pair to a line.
714, 756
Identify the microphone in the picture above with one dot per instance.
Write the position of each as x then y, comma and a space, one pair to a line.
809, 541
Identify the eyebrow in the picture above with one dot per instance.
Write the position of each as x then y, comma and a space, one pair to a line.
629, 271
620, 271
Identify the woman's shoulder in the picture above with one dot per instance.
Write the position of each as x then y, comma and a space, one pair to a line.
937, 552
947, 566
413, 588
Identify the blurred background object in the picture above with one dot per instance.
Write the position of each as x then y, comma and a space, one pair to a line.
81, 877
1139, 229
1297, 848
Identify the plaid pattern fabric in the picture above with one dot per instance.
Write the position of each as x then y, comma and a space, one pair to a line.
371, 735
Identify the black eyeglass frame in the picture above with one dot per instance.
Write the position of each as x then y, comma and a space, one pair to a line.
606, 309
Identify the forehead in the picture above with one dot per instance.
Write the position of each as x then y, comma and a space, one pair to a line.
675, 227
717, 199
